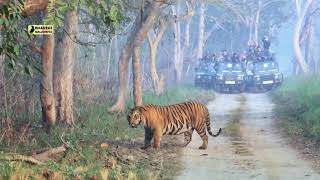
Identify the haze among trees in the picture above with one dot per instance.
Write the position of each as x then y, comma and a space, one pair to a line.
113, 52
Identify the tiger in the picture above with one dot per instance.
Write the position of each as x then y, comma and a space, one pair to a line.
172, 120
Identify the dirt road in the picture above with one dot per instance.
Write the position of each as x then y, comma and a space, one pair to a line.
248, 148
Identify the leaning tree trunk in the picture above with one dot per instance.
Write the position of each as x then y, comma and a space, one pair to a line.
152, 16
64, 91
124, 58
157, 83
46, 86
296, 37
201, 29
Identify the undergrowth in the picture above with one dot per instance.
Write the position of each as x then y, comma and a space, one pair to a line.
85, 158
298, 106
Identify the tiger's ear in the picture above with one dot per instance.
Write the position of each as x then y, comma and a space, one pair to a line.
135, 108
131, 109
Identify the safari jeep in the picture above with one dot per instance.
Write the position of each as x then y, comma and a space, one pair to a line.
230, 76
263, 75
204, 76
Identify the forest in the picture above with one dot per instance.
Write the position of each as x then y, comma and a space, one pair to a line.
65, 96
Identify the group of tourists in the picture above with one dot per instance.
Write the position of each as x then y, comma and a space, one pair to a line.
254, 52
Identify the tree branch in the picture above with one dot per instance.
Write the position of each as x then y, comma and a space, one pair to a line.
18, 157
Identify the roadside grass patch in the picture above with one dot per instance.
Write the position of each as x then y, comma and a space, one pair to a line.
298, 106
84, 157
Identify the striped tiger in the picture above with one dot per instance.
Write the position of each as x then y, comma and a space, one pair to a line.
172, 120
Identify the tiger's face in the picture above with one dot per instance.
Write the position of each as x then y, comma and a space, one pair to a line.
134, 118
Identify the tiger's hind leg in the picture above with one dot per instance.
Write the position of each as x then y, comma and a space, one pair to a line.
148, 135
187, 137
201, 130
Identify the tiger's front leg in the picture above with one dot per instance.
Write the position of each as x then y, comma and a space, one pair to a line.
148, 135
157, 138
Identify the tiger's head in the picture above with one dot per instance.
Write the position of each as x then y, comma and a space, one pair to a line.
134, 117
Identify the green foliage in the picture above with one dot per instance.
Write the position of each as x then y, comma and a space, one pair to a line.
298, 103
56, 10
107, 15
14, 38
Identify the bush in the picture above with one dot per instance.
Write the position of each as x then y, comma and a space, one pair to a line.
298, 105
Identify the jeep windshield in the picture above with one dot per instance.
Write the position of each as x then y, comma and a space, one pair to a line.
266, 66
230, 67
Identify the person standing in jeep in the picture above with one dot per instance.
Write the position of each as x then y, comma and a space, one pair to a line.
266, 43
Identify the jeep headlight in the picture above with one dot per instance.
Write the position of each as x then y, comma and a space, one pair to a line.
198, 76
277, 76
257, 78
240, 77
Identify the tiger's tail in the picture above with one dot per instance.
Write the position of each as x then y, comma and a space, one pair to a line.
209, 128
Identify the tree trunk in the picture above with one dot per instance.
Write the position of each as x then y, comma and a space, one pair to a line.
136, 66
116, 53
296, 37
109, 49
64, 94
307, 41
250, 31
157, 84
201, 29
153, 14
186, 45
178, 65
2, 81
206, 37
311, 48
256, 23
46, 86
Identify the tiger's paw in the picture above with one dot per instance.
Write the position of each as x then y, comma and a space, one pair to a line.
203, 147
156, 148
